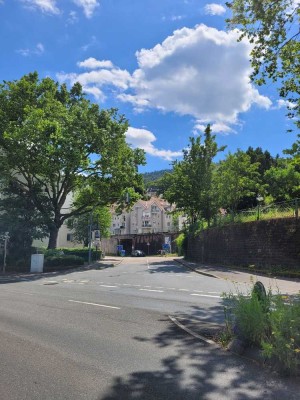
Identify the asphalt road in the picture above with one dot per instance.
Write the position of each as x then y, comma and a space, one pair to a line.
105, 334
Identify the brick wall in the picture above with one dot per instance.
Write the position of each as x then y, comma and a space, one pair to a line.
262, 243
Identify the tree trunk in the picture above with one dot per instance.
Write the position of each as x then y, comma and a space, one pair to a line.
53, 237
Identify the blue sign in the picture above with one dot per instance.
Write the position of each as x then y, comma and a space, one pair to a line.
119, 247
166, 246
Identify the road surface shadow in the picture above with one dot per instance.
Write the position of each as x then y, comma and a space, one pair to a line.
196, 370
167, 266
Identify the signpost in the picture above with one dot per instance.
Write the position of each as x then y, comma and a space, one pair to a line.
148, 244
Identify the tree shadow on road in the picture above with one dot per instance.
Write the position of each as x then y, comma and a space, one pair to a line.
195, 370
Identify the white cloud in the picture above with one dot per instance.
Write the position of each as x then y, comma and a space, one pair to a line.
215, 9
218, 127
46, 6
96, 92
91, 43
284, 104
143, 139
37, 50
92, 63
93, 81
200, 71
72, 18
88, 6
173, 18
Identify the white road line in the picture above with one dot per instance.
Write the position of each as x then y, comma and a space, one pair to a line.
108, 285
94, 304
204, 295
214, 292
152, 290
184, 290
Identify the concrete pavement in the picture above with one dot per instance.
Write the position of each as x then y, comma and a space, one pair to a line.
283, 285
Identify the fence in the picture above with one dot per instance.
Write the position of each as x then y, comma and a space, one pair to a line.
286, 209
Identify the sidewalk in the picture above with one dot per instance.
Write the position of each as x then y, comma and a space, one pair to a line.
283, 285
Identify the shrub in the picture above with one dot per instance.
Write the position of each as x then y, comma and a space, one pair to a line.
272, 323
283, 343
63, 261
81, 252
181, 242
249, 316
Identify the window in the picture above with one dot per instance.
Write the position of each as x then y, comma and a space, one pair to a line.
69, 237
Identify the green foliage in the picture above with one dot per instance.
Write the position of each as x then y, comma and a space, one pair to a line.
150, 178
55, 142
283, 343
79, 252
283, 181
181, 243
100, 218
250, 316
19, 217
235, 178
272, 26
190, 184
63, 261
272, 323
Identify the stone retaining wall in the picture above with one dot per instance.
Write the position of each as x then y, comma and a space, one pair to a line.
261, 243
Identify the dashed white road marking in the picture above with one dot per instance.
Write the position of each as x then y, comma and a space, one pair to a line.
94, 304
152, 290
183, 290
108, 285
214, 292
204, 295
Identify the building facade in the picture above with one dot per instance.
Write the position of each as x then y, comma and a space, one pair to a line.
146, 216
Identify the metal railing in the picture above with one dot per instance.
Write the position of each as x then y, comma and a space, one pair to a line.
286, 209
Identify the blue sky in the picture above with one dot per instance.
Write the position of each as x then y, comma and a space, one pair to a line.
169, 65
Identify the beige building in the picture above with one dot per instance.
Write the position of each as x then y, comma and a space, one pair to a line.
146, 216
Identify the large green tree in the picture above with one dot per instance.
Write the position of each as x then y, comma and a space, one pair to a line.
190, 183
234, 178
54, 142
283, 180
20, 218
100, 218
272, 26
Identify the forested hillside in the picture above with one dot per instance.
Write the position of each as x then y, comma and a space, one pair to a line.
150, 177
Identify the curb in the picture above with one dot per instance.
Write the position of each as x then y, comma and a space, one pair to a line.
196, 270
190, 332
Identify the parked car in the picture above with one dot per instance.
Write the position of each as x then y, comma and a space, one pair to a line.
138, 253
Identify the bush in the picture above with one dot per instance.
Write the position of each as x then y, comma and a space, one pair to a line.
283, 343
272, 323
181, 242
249, 317
63, 261
81, 252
